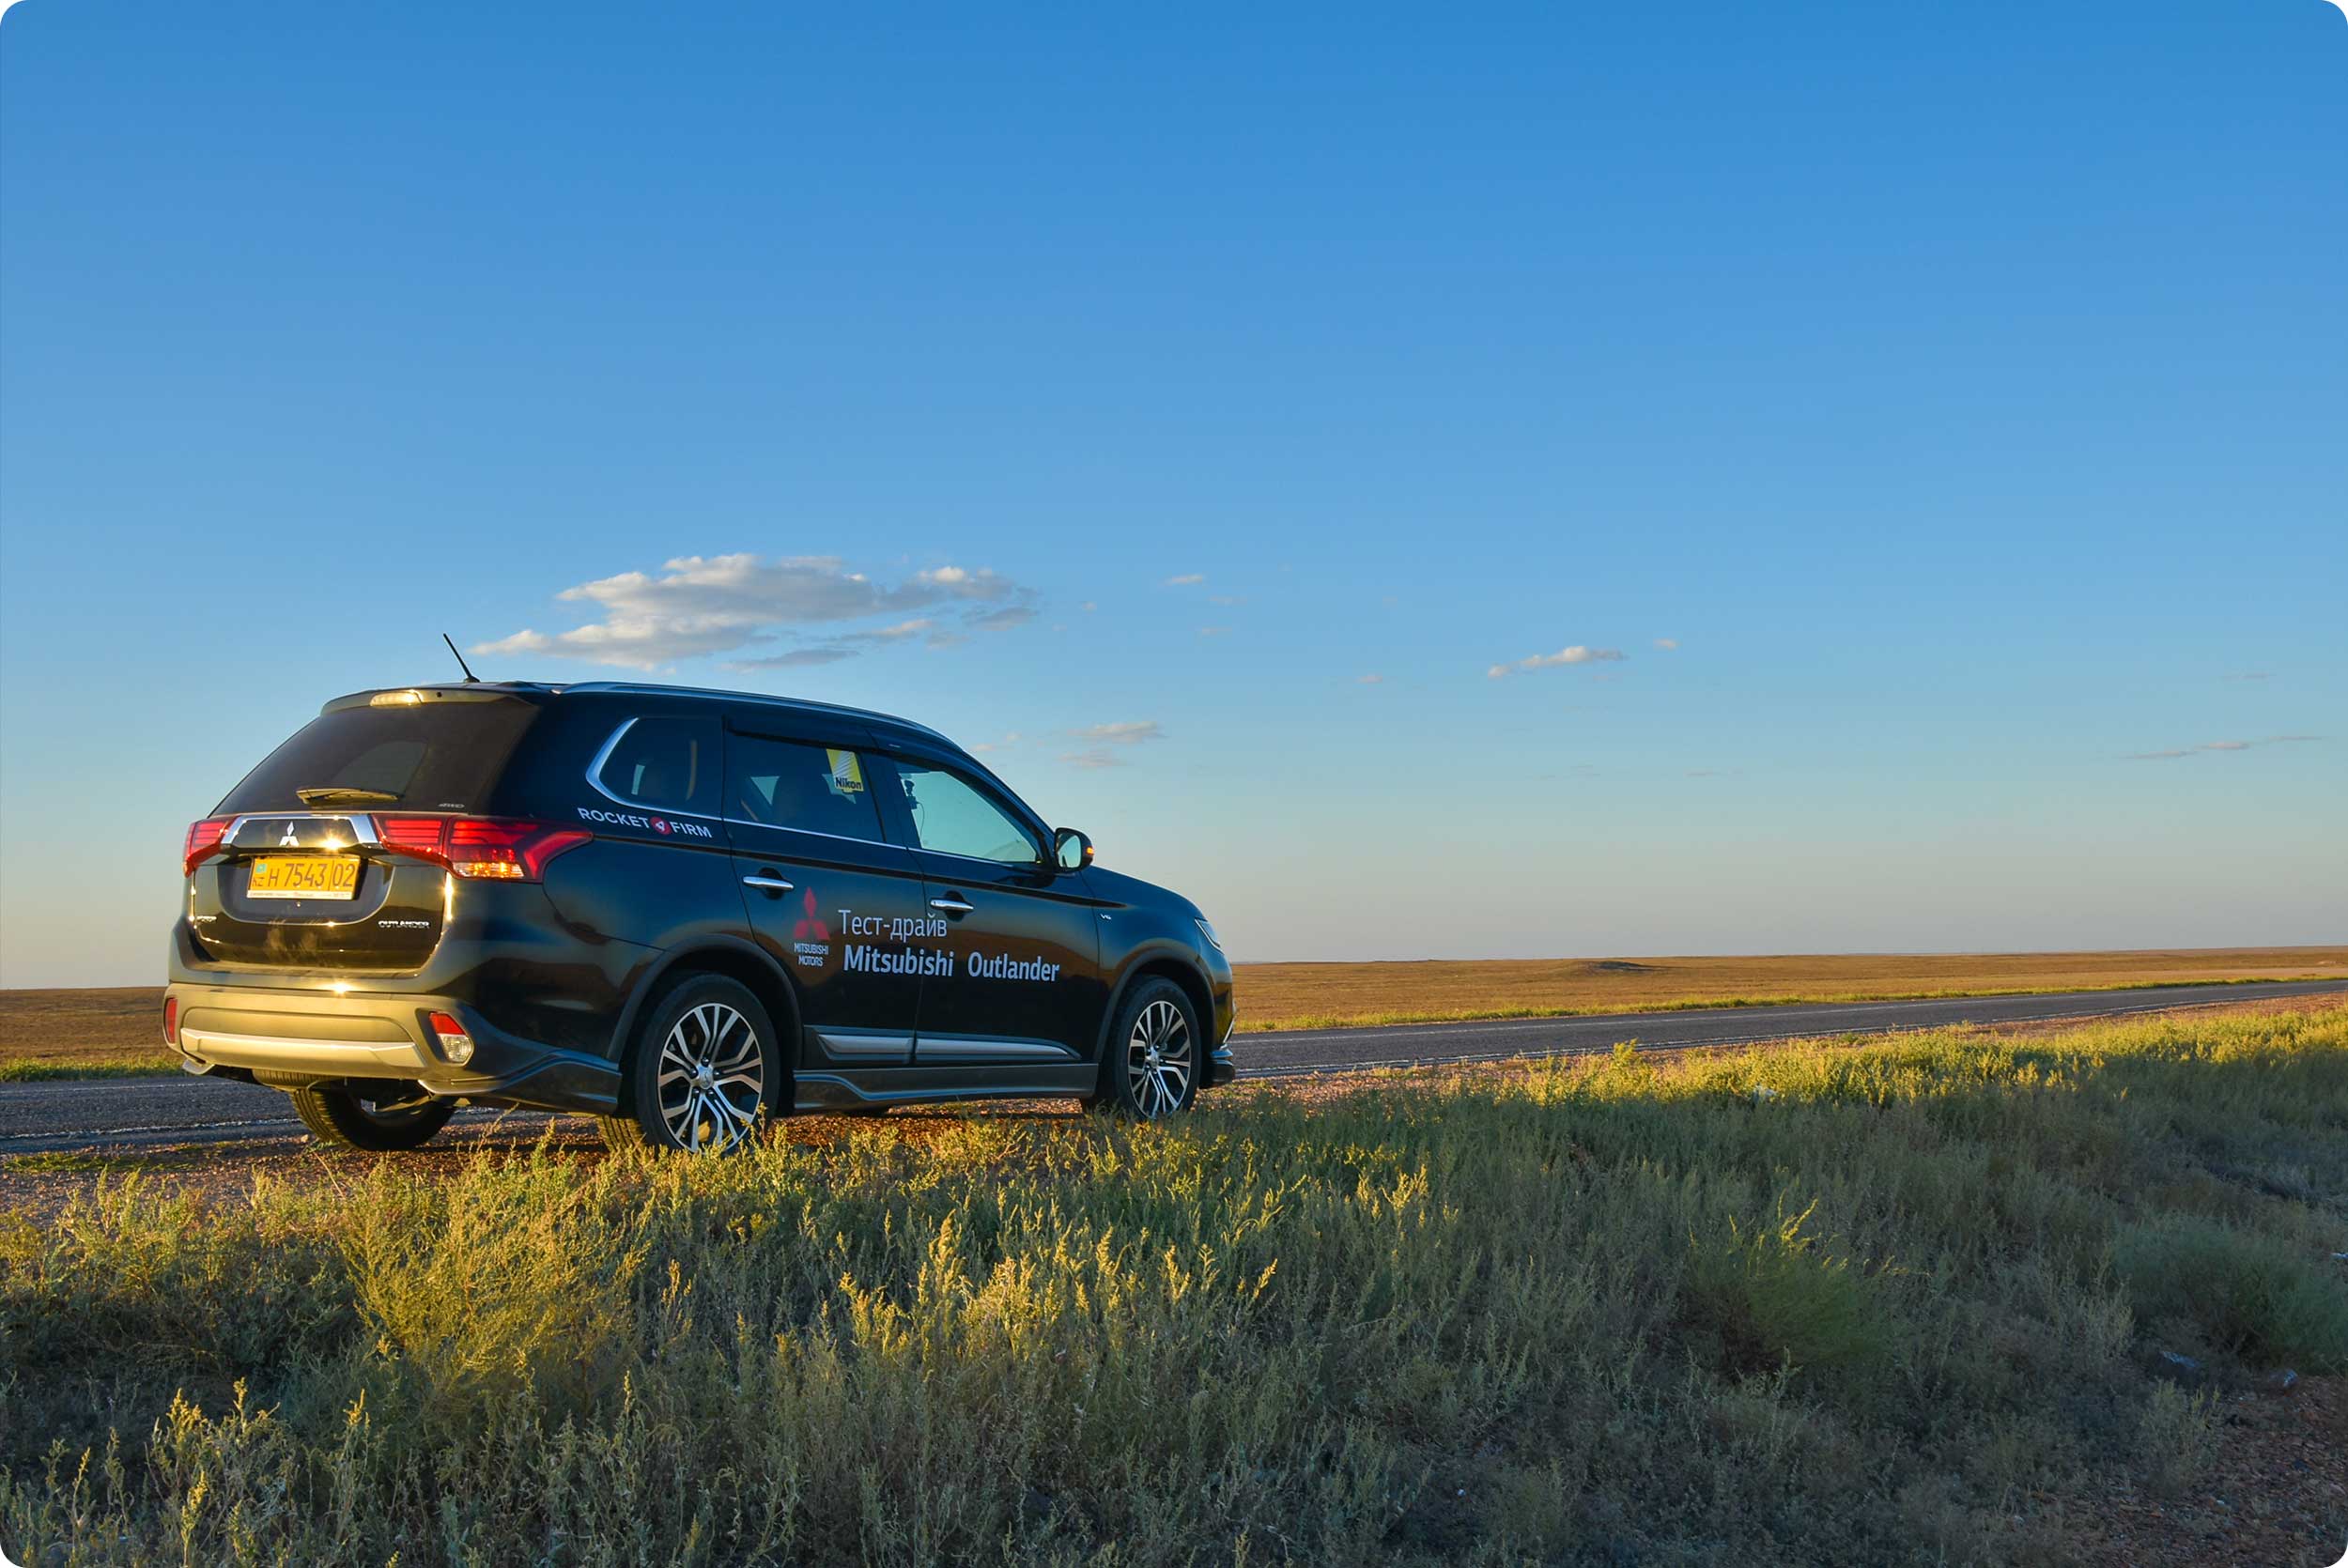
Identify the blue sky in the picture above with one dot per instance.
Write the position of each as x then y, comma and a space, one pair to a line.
1964, 393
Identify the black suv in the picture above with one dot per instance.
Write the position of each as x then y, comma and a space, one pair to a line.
682, 911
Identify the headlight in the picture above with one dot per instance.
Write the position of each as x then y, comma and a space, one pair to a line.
1208, 932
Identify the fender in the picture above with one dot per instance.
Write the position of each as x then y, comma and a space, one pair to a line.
1149, 950
649, 982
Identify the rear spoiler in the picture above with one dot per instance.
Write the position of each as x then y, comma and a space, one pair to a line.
410, 697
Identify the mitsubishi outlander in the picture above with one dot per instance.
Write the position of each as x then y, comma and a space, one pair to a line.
684, 911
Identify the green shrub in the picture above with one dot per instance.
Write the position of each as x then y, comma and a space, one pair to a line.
1768, 1299
2239, 1292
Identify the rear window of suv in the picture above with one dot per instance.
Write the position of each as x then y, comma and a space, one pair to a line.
429, 756
668, 763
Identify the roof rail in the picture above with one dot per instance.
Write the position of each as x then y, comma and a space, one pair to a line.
652, 689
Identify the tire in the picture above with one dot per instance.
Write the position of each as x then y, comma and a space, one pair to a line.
1153, 1063
703, 1075
377, 1113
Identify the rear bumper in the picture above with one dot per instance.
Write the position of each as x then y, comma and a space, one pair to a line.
288, 1037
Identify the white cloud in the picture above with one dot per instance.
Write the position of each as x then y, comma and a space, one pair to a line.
1004, 745
1131, 732
1089, 605
1369, 680
1227, 600
1213, 631
796, 659
701, 604
2216, 745
999, 620
1188, 579
1667, 643
1096, 757
1575, 654
897, 633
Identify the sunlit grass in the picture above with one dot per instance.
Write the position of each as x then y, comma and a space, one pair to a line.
152, 1063
1850, 1302
1260, 1024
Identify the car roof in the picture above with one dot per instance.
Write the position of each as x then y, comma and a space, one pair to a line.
648, 688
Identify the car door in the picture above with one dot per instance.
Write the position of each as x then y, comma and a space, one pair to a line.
1025, 985
835, 903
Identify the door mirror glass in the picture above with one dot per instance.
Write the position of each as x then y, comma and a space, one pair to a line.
1071, 849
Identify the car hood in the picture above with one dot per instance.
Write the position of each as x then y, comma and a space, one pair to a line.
1106, 884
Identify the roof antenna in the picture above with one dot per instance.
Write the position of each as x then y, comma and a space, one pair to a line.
470, 678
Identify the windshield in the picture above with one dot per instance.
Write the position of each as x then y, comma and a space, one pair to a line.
430, 757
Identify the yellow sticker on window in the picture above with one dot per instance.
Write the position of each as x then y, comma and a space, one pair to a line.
848, 771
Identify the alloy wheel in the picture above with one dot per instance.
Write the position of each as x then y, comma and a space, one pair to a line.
1158, 1060
712, 1084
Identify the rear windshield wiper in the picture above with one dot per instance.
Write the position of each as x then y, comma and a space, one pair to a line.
337, 795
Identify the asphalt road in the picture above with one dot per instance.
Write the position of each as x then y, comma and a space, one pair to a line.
152, 1112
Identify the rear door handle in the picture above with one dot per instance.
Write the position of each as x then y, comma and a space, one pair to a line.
768, 881
952, 904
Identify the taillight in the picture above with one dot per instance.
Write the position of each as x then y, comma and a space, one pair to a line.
424, 837
455, 1044
171, 1021
491, 849
203, 838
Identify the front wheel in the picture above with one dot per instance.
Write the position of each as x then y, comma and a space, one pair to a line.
704, 1075
380, 1114
1152, 1069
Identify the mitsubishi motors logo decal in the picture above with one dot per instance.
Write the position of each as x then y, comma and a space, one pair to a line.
811, 939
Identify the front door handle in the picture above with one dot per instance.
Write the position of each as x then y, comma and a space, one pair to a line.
774, 886
952, 904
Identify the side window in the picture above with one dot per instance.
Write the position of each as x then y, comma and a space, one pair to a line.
813, 789
954, 817
670, 763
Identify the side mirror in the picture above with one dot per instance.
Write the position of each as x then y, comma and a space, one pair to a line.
1071, 849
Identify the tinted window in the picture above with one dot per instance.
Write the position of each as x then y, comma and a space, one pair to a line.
435, 756
811, 788
666, 763
954, 817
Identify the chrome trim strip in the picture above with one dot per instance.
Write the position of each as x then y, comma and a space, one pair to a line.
362, 832
811, 832
982, 860
772, 885
958, 1051
195, 1037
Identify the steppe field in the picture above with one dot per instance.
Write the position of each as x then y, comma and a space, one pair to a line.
94, 1032
2032, 1295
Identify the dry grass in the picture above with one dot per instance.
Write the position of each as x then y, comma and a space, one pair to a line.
1312, 995
98, 1032
1902, 1302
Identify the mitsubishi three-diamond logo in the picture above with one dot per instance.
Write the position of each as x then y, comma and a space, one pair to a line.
811, 939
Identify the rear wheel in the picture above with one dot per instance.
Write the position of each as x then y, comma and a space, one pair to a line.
1153, 1060
704, 1075
371, 1113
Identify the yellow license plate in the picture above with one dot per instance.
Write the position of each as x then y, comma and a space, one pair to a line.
304, 876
